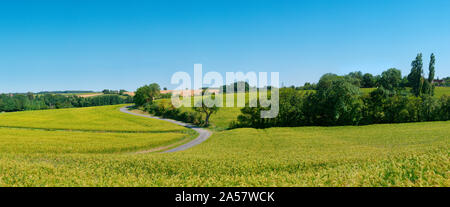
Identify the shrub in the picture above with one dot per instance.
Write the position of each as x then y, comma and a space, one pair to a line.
165, 109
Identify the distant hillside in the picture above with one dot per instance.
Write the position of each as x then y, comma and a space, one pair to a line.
63, 92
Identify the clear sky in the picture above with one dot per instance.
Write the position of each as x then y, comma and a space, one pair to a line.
93, 45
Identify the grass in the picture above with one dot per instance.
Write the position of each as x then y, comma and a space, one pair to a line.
412, 154
440, 91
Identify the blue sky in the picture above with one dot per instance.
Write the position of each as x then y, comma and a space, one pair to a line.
93, 45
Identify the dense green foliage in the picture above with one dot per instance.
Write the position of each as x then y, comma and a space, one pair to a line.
119, 92
65, 92
419, 84
23, 102
227, 116
415, 78
146, 94
165, 109
338, 101
391, 79
431, 68
240, 86
368, 81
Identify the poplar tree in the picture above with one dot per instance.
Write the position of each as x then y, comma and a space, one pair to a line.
431, 73
415, 78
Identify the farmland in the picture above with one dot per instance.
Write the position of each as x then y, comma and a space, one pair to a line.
41, 141
85, 130
98, 153
105, 118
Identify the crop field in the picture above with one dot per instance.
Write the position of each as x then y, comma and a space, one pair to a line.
413, 154
85, 130
40, 141
104, 118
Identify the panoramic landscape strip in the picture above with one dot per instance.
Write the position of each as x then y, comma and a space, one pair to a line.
225, 102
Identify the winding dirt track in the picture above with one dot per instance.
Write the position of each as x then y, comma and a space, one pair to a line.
204, 134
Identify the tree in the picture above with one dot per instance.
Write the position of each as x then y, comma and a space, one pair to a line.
235, 85
377, 79
431, 68
391, 79
326, 81
430, 86
142, 96
206, 108
146, 94
155, 90
122, 91
415, 77
290, 112
427, 88
357, 77
368, 81
404, 83
336, 102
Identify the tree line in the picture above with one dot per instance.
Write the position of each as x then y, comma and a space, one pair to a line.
334, 100
119, 92
414, 80
338, 100
30, 101
63, 92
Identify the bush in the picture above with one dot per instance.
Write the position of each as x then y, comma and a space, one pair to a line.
165, 109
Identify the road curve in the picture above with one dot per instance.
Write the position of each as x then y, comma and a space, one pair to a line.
204, 134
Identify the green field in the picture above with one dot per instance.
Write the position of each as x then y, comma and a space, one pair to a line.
440, 91
413, 154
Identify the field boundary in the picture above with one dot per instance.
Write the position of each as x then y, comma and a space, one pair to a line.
204, 134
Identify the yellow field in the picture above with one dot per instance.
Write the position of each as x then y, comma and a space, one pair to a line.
413, 154
104, 118
60, 142
85, 130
